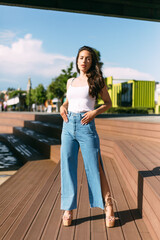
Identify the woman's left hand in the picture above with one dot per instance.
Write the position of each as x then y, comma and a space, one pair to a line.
87, 117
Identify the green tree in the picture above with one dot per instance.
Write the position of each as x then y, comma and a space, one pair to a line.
40, 94
37, 95
50, 91
29, 98
1, 96
33, 96
58, 85
10, 89
15, 93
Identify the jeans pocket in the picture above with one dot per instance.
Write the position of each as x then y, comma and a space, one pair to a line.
65, 124
91, 126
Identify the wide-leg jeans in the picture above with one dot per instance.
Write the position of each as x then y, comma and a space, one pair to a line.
75, 135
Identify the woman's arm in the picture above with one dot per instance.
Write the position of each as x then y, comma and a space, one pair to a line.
107, 102
64, 107
88, 116
63, 110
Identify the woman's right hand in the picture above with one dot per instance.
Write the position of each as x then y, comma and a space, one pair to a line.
63, 113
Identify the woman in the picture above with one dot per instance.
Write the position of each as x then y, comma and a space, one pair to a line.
79, 130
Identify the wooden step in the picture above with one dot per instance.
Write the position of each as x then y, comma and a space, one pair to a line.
50, 118
23, 150
45, 145
141, 130
49, 129
6, 128
18, 115
11, 122
143, 182
138, 164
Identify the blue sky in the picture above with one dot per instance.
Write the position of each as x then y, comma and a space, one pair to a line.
39, 43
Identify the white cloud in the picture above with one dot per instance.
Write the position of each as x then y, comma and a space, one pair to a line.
26, 56
7, 36
126, 73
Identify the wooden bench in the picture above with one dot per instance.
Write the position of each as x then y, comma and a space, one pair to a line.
135, 147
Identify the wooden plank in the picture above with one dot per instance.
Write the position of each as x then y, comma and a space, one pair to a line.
19, 193
104, 140
148, 151
7, 188
54, 226
36, 229
129, 124
152, 183
150, 228
98, 225
111, 137
154, 221
128, 225
82, 228
54, 223
131, 131
28, 212
20, 197
18, 209
106, 149
6, 129
55, 153
109, 155
141, 167
16, 183
128, 172
115, 233
129, 152
148, 185
141, 130
134, 211
26, 115
69, 233
144, 155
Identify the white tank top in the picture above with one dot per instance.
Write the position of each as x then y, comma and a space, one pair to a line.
79, 99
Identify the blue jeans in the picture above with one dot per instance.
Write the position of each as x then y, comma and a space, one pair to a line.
74, 134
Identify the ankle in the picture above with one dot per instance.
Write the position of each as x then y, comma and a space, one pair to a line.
108, 199
67, 212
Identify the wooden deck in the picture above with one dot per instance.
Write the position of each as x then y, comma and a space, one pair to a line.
30, 207
30, 199
135, 148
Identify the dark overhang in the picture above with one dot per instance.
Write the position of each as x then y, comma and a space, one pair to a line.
136, 9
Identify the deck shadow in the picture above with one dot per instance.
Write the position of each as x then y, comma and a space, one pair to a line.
141, 175
122, 217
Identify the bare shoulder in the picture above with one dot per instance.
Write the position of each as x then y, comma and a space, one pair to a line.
69, 82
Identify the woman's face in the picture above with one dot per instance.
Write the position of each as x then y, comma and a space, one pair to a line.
84, 61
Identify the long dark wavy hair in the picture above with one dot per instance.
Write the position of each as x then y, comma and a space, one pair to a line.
94, 74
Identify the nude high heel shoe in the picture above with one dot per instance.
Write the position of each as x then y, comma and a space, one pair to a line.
67, 218
110, 220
